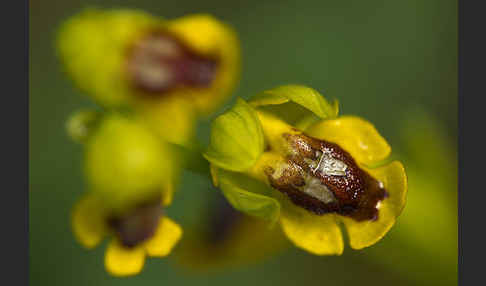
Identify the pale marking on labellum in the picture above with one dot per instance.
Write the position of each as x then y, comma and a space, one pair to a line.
363, 145
378, 205
316, 189
161, 47
155, 74
279, 171
380, 184
330, 166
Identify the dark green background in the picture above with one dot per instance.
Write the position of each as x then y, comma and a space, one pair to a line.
383, 60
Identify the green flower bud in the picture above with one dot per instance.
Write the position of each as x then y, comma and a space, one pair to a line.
126, 163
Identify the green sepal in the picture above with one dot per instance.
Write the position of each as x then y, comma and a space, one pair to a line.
248, 195
303, 96
236, 138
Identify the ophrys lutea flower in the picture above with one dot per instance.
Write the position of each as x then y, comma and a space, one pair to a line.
131, 175
170, 71
287, 156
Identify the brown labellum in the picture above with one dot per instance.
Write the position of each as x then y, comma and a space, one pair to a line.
321, 177
159, 62
138, 225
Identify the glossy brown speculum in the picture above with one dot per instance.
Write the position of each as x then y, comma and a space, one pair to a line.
321, 177
159, 62
137, 225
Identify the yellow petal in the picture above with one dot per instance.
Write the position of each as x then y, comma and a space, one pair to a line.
208, 36
319, 235
165, 238
121, 261
87, 221
267, 159
366, 233
273, 129
355, 135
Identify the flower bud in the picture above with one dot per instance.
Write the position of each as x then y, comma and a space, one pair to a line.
126, 163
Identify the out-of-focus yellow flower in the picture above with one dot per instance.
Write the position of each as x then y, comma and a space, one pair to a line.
224, 237
131, 177
314, 177
170, 71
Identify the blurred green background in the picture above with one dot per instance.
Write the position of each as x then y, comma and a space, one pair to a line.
392, 62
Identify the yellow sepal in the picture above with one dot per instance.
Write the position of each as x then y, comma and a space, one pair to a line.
87, 221
355, 135
122, 261
319, 235
210, 37
366, 233
165, 238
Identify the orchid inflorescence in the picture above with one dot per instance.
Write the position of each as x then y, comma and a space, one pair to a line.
283, 157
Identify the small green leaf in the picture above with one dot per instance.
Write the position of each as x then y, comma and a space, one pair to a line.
236, 138
302, 95
247, 195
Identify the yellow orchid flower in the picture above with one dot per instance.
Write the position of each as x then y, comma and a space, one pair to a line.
131, 178
311, 174
170, 71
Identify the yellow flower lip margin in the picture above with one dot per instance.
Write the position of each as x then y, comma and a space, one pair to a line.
88, 220
320, 235
125, 165
93, 46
